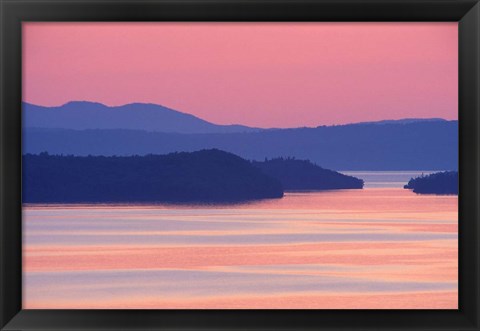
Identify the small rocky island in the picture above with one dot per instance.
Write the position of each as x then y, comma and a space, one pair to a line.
441, 183
305, 175
206, 176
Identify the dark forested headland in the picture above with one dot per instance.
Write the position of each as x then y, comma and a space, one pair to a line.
206, 176
203, 176
438, 183
305, 175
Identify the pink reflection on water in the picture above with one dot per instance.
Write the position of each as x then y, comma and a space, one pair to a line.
419, 300
374, 248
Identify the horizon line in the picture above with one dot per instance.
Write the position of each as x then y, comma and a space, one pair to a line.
419, 119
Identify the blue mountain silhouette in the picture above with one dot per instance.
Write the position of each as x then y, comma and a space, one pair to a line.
395, 146
90, 128
81, 115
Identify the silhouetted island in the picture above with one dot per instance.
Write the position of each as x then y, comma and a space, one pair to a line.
204, 176
438, 183
305, 175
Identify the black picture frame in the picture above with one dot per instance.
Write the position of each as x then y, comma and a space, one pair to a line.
14, 12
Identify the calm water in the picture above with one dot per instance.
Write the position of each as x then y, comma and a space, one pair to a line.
379, 179
381, 247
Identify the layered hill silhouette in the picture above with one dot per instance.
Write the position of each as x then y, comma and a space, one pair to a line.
81, 115
406, 121
204, 176
425, 145
304, 175
445, 182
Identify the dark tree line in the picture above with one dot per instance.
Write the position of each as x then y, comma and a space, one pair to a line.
203, 176
438, 183
305, 175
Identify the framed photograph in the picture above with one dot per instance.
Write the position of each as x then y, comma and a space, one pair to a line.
290, 165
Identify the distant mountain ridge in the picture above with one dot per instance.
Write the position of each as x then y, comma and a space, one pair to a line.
83, 115
406, 121
410, 146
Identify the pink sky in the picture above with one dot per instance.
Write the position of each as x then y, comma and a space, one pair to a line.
257, 74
